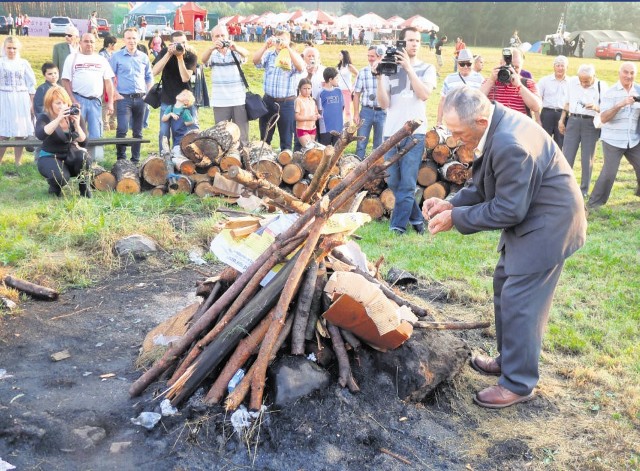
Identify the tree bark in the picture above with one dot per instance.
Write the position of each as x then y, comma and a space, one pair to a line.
32, 289
306, 294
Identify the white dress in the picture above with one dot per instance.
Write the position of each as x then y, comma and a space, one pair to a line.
17, 82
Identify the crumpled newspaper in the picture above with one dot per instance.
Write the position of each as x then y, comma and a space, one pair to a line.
147, 420
241, 418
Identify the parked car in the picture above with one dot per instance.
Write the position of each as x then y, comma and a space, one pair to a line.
104, 28
4, 25
618, 50
58, 25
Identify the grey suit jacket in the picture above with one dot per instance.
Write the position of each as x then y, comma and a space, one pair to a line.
60, 53
523, 185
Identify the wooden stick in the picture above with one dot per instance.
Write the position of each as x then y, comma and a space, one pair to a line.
345, 377
301, 316
395, 455
450, 325
280, 314
246, 347
316, 303
235, 398
32, 289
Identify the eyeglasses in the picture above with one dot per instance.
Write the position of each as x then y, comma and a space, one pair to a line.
464, 64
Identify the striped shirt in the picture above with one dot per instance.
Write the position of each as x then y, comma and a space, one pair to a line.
367, 86
553, 91
622, 130
227, 88
509, 95
278, 83
455, 80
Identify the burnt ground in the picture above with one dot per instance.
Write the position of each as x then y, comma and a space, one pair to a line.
45, 403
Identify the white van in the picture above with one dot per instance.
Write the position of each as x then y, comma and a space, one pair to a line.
155, 22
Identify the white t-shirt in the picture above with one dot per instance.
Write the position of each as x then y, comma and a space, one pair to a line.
87, 74
344, 79
404, 105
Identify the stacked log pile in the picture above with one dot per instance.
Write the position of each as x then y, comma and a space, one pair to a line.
239, 321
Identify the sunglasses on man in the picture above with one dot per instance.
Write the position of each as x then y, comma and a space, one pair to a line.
464, 64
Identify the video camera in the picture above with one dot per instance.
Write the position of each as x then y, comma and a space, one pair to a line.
504, 73
388, 64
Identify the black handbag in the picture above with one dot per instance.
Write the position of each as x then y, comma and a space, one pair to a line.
253, 103
153, 96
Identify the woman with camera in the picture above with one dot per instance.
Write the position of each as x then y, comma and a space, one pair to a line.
61, 129
17, 88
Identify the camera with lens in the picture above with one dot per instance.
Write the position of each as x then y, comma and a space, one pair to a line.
636, 99
226, 43
388, 64
504, 73
277, 40
178, 47
74, 110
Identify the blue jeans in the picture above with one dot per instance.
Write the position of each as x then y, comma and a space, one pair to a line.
177, 129
370, 119
130, 112
402, 181
286, 123
91, 112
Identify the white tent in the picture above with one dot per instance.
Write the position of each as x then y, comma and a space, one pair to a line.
394, 22
419, 22
345, 20
371, 20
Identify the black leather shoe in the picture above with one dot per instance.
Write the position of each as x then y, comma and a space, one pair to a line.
84, 190
419, 228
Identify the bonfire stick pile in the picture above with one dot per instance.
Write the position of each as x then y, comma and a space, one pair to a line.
244, 320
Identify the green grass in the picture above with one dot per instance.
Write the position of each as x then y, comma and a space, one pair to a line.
593, 338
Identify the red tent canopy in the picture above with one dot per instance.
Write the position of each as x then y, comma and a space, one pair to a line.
190, 12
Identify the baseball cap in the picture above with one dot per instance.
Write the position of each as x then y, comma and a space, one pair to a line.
465, 55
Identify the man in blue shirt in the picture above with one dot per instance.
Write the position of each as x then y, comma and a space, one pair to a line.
366, 108
133, 79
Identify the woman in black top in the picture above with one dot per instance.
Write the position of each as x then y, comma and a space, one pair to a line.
59, 128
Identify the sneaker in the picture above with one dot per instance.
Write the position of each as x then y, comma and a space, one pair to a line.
419, 228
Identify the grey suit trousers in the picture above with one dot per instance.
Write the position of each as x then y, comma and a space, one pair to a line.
581, 132
521, 304
606, 179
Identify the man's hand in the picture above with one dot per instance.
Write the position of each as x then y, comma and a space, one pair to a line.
403, 59
434, 206
441, 223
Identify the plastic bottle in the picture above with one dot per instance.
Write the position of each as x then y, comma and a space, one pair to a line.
237, 377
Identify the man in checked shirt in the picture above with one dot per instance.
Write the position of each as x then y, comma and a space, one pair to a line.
366, 111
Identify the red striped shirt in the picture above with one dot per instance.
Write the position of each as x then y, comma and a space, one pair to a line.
509, 95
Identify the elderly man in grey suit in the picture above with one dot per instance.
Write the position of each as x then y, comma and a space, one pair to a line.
522, 185
61, 51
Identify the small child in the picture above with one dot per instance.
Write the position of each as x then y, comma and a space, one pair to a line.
306, 114
51, 73
177, 119
330, 106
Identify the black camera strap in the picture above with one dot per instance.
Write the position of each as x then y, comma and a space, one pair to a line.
463, 80
244, 80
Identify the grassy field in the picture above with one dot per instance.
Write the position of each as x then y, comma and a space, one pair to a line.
591, 358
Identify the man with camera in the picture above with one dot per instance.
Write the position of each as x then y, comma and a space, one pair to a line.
403, 87
523, 186
86, 76
228, 92
620, 113
133, 79
581, 105
366, 110
465, 76
282, 66
177, 64
506, 86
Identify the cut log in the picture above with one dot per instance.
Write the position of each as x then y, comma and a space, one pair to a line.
373, 207
204, 188
230, 159
333, 182
183, 165
199, 177
455, 172
428, 173
32, 289
311, 157
292, 173
225, 133
464, 154
158, 190
452, 142
300, 188
213, 171
126, 174
186, 141
388, 200
181, 184
285, 157
203, 151
437, 190
153, 170
441, 153
103, 180
347, 163
269, 169
435, 137
375, 186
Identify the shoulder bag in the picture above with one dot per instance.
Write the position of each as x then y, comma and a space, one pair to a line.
253, 102
153, 96
597, 122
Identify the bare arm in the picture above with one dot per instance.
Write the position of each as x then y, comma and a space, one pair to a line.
382, 94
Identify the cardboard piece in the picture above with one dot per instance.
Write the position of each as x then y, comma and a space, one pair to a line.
362, 308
